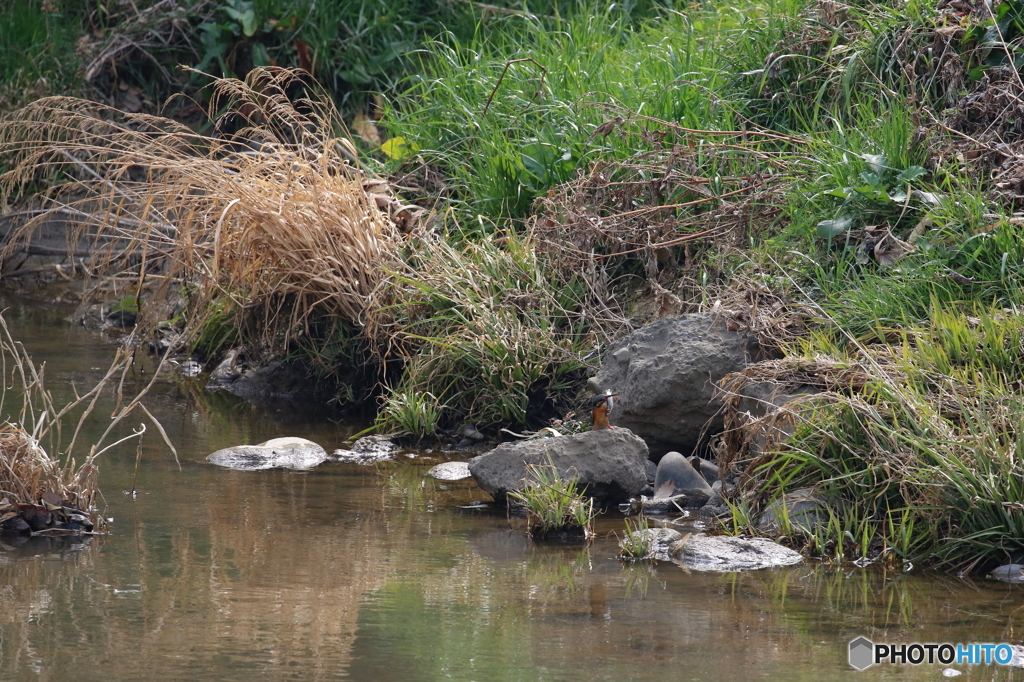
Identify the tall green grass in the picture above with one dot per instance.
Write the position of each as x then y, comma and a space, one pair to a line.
923, 463
506, 122
37, 49
483, 331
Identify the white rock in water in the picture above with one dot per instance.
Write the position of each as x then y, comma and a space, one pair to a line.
450, 471
277, 453
723, 553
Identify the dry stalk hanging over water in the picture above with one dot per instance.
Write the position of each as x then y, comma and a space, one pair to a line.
44, 484
267, 214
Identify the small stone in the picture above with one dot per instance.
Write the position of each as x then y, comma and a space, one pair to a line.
450, 471
1008, 573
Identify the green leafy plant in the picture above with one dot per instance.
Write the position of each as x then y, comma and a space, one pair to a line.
239, 39
410, 412
997, 38
637, 542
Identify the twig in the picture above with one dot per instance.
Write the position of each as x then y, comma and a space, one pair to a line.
502, 77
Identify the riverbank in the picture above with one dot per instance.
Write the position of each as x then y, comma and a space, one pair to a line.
841, 183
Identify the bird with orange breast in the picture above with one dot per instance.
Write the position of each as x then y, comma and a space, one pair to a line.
602, 404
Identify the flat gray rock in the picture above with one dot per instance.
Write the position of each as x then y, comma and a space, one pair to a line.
277, 453
450, 471
1008, 573
609, 464
723, 553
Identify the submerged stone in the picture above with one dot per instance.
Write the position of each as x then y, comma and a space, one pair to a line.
369, 450
450, 471
277, 453
1008, 573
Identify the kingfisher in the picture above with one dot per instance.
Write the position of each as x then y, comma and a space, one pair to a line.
603, 404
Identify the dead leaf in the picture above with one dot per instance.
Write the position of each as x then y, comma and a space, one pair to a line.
366, 128
53, 501
665, 490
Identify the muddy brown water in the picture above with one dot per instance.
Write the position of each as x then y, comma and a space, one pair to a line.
358, 573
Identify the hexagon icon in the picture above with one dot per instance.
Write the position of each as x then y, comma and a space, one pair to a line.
862, 653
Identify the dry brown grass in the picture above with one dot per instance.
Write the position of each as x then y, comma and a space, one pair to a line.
28, 470
656, 218
270, 215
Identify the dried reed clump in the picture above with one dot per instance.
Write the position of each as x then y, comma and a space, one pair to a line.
269, 215
659, 210
25, 465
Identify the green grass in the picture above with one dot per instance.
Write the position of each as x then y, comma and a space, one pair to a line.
554, 505
484, 330
636, 544
923, 462
37, 49
507, 121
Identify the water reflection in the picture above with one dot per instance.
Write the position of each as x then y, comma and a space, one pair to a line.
377, 573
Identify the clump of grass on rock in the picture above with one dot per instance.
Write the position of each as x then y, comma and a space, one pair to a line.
554, 506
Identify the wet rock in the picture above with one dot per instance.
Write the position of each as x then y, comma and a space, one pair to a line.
50, 516
450, 471
15, 525
709, 470
803, 509
288, 382
676, 477
369, 450
674, 504
121, 319
722, 553
229, 370
277, 453
663, 542
610, 464
665, 375
1008, 573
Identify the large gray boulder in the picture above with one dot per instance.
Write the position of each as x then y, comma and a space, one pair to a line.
677, 476
610, 464
665, 375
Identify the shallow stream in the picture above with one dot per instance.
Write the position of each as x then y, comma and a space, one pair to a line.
360, 573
